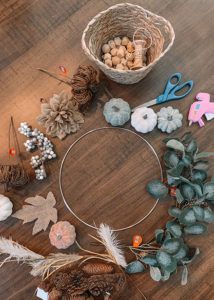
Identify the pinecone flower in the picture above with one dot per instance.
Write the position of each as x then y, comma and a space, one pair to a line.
60, 116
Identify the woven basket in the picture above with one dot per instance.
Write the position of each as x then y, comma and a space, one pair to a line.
123, 20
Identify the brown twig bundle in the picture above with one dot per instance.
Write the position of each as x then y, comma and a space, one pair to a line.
84, 84
13, 175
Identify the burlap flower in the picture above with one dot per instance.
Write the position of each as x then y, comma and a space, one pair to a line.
60, 116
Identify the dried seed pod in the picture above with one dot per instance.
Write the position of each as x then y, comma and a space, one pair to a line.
121, 52
117, 41
114, 51
106, 48
125, 41
115, 60
129, 64
55, 295
119, 67
108, 62
98, 268
123, 61
111, 44
130, 47
107, 56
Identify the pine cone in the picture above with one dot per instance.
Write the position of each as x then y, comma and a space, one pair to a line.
55, 295
60, 116
108, 283
97, 268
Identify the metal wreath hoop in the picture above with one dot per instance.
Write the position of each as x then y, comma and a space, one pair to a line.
79, 139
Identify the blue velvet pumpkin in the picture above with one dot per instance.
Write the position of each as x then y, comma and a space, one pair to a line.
117, 112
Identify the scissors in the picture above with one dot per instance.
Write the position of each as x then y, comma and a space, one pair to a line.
171, 88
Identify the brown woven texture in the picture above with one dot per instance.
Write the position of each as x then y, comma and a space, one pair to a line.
123, 20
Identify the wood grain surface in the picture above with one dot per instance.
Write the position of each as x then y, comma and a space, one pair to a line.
105, 177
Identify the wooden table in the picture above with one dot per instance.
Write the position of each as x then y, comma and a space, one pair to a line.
47, 33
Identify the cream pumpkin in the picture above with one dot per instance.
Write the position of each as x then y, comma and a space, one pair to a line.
6, 207
144, 119
62, 235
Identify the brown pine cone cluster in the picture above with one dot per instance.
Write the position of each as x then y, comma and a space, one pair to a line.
87, 282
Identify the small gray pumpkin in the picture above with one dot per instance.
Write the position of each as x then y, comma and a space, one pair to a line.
117, 112
169, 119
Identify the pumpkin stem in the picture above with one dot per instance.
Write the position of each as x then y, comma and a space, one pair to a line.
115, 108
145, 117
169, 118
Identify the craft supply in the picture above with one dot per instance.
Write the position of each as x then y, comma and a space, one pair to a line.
163, 254
123, 20
138, 221
95, 274
142, 41
6, 207
13, 175
60, 116
169, 119
137, 240
170, 92
62, 235
117, 112
203, 106
118, 52
144, 119
40, 210
37, 141
84, 85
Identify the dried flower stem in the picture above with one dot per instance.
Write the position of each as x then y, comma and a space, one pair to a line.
55, 76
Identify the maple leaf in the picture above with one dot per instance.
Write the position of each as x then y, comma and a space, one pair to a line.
42, 210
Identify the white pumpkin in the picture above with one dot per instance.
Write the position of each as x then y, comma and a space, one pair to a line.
144, 119
6, 207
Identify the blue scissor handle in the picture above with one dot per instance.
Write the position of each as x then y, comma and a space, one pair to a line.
171, 89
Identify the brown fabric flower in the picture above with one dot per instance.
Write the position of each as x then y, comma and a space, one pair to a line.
60, 116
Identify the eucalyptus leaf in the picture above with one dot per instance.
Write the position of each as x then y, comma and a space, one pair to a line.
135, 267
171, 160
198, 189
166, 261
167, 139
201, 155
176, 145
168, 235
173, 180
174, 228
172, 246
187, 216
182, 252
199, 212
159, 234
201, 165
196, 229
174, 211
150, 260
157, 189
155, 273
176, 171
187, 160
208, 215
179, 197
184, 276
209, 190
187, 191
192, 147
187, 138
199, 175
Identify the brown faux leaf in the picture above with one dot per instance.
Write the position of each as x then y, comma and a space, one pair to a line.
42, 210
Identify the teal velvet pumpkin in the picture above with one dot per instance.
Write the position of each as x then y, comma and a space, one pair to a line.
117, 112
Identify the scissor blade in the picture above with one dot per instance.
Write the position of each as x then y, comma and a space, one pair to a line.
146, 104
